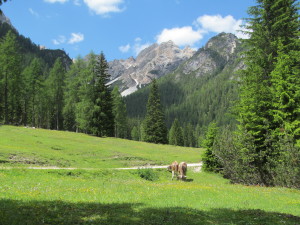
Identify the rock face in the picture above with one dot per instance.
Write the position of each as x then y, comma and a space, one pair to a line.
153, 62
4, 19
159, 60
215, 55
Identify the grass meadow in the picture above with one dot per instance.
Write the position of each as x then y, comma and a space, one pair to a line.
25, 147
108, 196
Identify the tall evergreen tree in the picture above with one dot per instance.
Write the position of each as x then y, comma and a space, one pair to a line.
34, 78
10, 80
135, 134
176, 134
102, 118
73, 90
56, 84
85, 105
154, 126
273, 28
120, 114
286, 95
188, 136
210, 161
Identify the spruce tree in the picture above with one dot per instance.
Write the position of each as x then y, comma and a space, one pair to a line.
274, 32
154, 127
135, 134
120, 114
34, 78
56, 84
102, 117
10, 80
210, 161
73, 91
176, 134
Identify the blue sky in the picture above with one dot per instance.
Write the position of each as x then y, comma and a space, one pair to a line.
122, 28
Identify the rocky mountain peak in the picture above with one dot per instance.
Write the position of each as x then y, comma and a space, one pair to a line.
224, 44
215, 54
153, 62
4, 19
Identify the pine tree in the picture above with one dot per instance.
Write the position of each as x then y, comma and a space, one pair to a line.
176, 134
73, 91
135, 134
154, 127
120, 114
102, 118
286, 95
56, 84
34, 78
10, 80
85, 105
188, 136
210, 161
274, 32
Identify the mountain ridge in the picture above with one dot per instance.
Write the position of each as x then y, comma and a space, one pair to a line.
151, 63
201, 89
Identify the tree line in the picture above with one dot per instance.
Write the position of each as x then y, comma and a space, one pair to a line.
75, 99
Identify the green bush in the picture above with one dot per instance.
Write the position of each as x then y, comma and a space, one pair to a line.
284, 167
148, 174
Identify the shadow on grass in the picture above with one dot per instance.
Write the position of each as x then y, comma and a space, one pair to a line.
60, 212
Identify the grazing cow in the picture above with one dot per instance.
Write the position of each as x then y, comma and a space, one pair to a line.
173, 168
182, 169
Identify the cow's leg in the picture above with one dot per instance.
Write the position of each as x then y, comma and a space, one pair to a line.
173, 173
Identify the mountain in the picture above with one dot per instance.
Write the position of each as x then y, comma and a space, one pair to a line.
4, 19
201, 89
153, 62
30, 50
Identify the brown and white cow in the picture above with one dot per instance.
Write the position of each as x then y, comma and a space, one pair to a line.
173, 168
182, 169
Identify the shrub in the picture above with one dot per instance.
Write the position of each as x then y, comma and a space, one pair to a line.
284, 167
148, 174
235, 154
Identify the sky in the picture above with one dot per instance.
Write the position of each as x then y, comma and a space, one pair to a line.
122, 28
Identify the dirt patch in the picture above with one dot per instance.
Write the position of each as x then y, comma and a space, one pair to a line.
20, 159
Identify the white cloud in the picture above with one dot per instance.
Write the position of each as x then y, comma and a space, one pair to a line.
181, 36
54, 1
75, 38
124, 48
77, 2
103, 7
60, 40
218, 24
34, 13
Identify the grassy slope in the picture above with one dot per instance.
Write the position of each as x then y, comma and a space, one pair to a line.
37, 147
106, 196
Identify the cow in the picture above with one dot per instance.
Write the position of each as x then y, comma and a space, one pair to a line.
173, 168
182, 169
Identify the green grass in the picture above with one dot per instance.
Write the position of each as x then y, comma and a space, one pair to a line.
20, 146
123, 197
109, 196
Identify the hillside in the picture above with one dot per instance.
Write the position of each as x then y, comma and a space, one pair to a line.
30, 50
21, 146
201, 89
